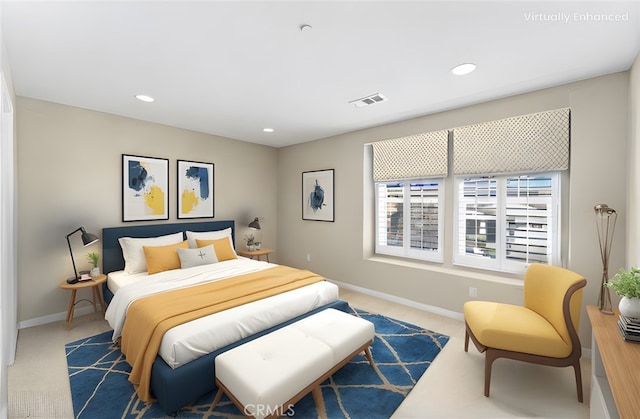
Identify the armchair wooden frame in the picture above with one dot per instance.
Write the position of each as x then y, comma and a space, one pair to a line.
573, 359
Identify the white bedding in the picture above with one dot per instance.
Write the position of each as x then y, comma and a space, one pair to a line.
118, 279
192, 340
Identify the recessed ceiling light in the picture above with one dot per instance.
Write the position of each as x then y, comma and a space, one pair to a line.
463, 69
305, 27
145, 98
268, 130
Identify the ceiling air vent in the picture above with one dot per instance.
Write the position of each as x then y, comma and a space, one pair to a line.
369, 100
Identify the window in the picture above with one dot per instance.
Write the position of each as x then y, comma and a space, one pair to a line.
409, 218
507, 222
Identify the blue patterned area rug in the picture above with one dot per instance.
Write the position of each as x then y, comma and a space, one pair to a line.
98, 375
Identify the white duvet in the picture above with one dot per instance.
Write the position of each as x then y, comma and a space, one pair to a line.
192, 340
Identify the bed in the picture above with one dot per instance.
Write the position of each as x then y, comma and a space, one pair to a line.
177, 382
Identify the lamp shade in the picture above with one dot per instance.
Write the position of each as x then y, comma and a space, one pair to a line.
88, 238
255, 224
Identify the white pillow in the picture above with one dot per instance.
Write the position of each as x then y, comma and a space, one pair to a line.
133, 254
192, 236
195, 257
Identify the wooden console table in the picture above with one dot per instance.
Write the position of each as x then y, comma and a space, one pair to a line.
615, 369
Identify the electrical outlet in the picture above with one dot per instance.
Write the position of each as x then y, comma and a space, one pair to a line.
308, 257
473, 292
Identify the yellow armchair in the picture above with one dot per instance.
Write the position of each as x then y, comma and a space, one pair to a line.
542, 331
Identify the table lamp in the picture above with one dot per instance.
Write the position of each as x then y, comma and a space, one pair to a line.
87, 239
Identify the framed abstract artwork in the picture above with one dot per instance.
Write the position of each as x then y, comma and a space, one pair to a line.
318, 195
145, 188
195, 189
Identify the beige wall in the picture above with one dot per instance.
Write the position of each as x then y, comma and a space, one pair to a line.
69, 175
339, 251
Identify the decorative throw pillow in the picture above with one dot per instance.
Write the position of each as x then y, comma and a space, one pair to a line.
163, 258
134, 259
224, 250
192, 236
205, 255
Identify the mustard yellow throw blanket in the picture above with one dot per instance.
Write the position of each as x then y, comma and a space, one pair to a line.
149, 318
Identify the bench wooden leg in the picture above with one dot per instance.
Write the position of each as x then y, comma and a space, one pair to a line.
367, 354
319, 401
216, 400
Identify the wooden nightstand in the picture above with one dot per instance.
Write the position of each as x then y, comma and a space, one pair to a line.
94, 284
256, 253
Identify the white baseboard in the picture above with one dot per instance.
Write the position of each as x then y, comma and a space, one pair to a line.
52, 318
410, 303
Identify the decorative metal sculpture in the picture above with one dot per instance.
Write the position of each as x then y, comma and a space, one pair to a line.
606, 224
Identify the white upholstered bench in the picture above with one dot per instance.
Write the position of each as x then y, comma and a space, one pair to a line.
267, 376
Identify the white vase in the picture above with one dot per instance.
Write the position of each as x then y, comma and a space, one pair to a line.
629, 307
95, 272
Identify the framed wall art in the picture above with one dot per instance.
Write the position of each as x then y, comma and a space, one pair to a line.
195, 189
145, 188
318, 195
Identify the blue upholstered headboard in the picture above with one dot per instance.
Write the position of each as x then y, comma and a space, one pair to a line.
112, 259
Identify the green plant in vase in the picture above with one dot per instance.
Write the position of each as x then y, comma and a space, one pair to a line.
251, 241
94, 257
627, 286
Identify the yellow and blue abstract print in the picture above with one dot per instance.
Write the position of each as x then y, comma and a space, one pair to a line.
195, 189
145, 188
141, 182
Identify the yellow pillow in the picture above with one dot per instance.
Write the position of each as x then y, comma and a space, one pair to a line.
163, 258
223, 248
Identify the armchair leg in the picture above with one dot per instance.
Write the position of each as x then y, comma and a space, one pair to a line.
466, 340
488, 363
576, 368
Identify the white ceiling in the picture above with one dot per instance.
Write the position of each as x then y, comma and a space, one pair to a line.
231, 68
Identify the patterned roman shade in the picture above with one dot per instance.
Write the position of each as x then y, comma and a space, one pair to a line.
530, 143
415, 156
